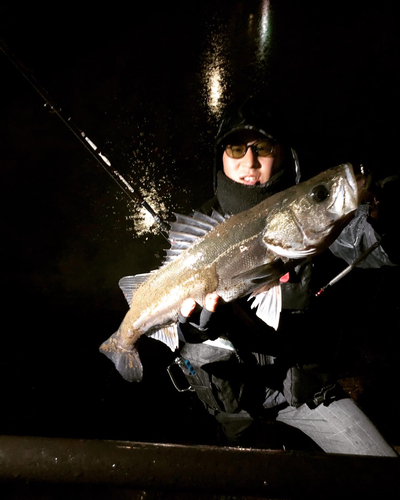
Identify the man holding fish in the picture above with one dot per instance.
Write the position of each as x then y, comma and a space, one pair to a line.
255, 165
258, 238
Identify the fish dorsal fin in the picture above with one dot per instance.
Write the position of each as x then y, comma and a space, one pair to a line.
209, 221
217, 217
129, 284
190, 228
269, 305
187, 229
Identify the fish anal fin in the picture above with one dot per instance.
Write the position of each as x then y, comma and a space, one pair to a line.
168, 335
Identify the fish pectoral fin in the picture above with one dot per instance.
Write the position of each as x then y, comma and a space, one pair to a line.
290, 253
265, 272
269, 305
262, 289
127, 362
168, 335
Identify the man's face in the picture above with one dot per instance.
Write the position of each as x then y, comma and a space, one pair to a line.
251, 169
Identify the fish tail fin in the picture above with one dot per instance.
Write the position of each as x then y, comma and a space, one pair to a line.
127, 362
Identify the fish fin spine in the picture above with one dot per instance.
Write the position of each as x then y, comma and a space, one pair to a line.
187, 229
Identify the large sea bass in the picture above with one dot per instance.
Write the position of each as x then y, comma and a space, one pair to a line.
245, 254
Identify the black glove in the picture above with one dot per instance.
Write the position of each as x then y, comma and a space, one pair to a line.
197, 327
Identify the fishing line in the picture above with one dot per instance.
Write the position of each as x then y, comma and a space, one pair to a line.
90, 146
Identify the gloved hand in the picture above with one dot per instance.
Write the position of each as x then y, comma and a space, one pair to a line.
196, 329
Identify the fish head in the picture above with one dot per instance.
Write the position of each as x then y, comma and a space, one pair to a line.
310, 215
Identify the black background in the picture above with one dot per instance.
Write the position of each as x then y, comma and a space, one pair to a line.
136, 83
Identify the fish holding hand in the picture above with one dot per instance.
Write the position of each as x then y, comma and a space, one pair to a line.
245, 254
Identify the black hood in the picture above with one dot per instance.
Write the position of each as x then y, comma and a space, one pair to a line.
254, 114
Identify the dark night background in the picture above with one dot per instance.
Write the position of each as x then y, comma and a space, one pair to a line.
140, 85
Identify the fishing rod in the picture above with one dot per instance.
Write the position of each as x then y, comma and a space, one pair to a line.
85, 140
349, 268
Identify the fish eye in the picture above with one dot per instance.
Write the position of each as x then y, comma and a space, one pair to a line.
320, 193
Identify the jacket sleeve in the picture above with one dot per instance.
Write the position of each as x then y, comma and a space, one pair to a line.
357, 237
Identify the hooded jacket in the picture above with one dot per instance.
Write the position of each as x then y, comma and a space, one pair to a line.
251, 115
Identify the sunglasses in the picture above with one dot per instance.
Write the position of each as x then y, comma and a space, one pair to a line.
259, 148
